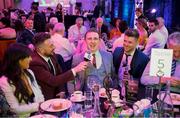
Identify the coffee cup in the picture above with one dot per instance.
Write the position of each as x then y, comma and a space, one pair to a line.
77, 95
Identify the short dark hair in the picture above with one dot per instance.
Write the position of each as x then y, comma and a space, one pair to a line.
91, 30
5, 21
40, 37
132, 33
155, 21
49, 26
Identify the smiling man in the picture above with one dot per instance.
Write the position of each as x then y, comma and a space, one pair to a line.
100, 64
128, 58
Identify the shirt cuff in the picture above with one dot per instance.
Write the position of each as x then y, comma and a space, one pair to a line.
74, 73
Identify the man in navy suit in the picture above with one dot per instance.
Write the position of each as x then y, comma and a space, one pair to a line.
26, 36
130, 60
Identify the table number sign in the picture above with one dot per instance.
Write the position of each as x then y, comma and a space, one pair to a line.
161, 62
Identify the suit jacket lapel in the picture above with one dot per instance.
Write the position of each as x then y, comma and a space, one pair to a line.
133, 61
104, 62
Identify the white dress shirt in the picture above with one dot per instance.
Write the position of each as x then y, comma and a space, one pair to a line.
74, 34
62, 46
98, 59
164, 32
156, 40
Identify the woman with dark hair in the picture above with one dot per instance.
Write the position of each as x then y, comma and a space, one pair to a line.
18, 82
59, 12
115, 32
143, 34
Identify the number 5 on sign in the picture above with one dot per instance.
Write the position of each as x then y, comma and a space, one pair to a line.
161, 62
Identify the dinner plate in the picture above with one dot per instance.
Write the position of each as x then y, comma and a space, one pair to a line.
43, 116
74, 99
175, 98
48, 105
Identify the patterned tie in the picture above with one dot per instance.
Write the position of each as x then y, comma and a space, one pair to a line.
94, 60
173, 68
51, 67
125, 64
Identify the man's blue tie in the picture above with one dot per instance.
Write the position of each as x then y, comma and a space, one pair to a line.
173, 68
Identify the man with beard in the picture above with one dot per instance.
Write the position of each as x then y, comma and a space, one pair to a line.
156, 39
46, 68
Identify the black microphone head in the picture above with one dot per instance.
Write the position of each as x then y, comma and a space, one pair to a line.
87, 56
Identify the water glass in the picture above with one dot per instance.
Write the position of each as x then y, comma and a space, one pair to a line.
76, 111
149, 92
89, 100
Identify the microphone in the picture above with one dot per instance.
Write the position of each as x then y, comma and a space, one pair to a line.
87, 56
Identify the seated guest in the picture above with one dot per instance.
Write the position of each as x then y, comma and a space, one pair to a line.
76, 32
26, 36
162, 28
101, 28
53, 20
129, 63
173, 43
48, 72
62, 45
6, 32
119, 41
49, 28
115, 32
82, 46
5, 110
156, 38
18, 82
143, 35
101, 63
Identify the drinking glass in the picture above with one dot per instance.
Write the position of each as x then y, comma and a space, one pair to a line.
76, 111
149, 92
92, 80
89, 100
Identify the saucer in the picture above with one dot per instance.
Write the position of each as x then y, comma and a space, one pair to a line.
74, 99
118, 103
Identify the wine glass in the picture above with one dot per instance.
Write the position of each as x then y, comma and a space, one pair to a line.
108, 85
76, 111
92, 80
149, 92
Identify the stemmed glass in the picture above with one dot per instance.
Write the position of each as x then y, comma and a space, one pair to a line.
108, 85
92, 80
93, 83
149, 92
76, 111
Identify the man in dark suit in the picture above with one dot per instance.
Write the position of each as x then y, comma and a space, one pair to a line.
130, 62
48, 72
26, 36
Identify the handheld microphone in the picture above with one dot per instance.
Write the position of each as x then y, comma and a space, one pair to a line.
87, 56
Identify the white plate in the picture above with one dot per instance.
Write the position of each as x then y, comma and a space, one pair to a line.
48, 105
175, 98
43, 116
73, 99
